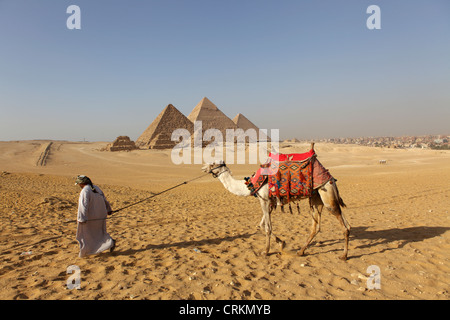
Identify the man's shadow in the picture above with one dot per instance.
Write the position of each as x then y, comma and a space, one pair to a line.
185, 244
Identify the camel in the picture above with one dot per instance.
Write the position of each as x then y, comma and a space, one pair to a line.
326, 196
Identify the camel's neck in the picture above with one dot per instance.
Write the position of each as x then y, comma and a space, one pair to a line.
237, 187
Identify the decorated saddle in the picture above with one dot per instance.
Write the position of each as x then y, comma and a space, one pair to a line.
290, 176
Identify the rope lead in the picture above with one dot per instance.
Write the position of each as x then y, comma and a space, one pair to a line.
145, 199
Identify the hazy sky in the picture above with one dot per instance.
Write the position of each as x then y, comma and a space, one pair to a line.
311, 69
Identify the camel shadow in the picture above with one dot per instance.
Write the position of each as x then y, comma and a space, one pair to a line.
399, 236
380, 239
185, 244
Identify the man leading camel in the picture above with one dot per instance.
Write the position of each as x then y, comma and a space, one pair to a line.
93, 209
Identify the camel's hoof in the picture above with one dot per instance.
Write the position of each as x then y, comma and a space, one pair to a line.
301, 253
260, 229
343, 258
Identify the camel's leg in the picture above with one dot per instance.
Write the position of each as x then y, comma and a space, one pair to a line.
345, 229
331, 200
261, 224
267, 210
262, 227
264, 201
280, 242
268, 228
316, 213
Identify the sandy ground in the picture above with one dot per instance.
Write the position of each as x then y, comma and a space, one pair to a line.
199, 241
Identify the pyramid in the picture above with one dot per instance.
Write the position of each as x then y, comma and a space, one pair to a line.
211, 117
242, 122
122, 143
159, 133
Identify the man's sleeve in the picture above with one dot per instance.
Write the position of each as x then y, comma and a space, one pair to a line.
83, 205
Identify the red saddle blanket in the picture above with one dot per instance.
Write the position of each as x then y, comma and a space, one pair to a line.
291, 175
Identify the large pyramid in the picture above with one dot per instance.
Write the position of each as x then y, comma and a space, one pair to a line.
159, 133
211, 117
242, 122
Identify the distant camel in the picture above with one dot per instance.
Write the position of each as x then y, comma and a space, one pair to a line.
327, 195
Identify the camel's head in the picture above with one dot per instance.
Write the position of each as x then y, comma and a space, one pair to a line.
215, 168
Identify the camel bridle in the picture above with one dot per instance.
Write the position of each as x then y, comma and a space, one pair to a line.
216, 175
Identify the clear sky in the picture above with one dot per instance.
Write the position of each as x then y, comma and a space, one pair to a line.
311, 69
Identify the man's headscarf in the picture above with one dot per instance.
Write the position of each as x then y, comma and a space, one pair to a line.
82, 179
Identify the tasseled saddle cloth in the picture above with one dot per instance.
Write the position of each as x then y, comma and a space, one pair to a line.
290, 176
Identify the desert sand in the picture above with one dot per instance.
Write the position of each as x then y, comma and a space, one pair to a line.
199, 241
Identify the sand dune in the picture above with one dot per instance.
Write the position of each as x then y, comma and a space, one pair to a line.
200, 242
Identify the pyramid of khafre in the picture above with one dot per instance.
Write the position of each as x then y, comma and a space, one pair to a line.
122, 143
243, 123
211, 117
158, 135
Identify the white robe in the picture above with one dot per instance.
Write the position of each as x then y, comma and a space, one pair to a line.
92, 211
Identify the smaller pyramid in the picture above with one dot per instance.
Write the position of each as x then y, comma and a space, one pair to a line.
243, 123
122, 143
158, 134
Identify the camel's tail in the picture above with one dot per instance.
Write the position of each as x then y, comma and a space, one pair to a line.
341, 205
341, 202
336, 191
